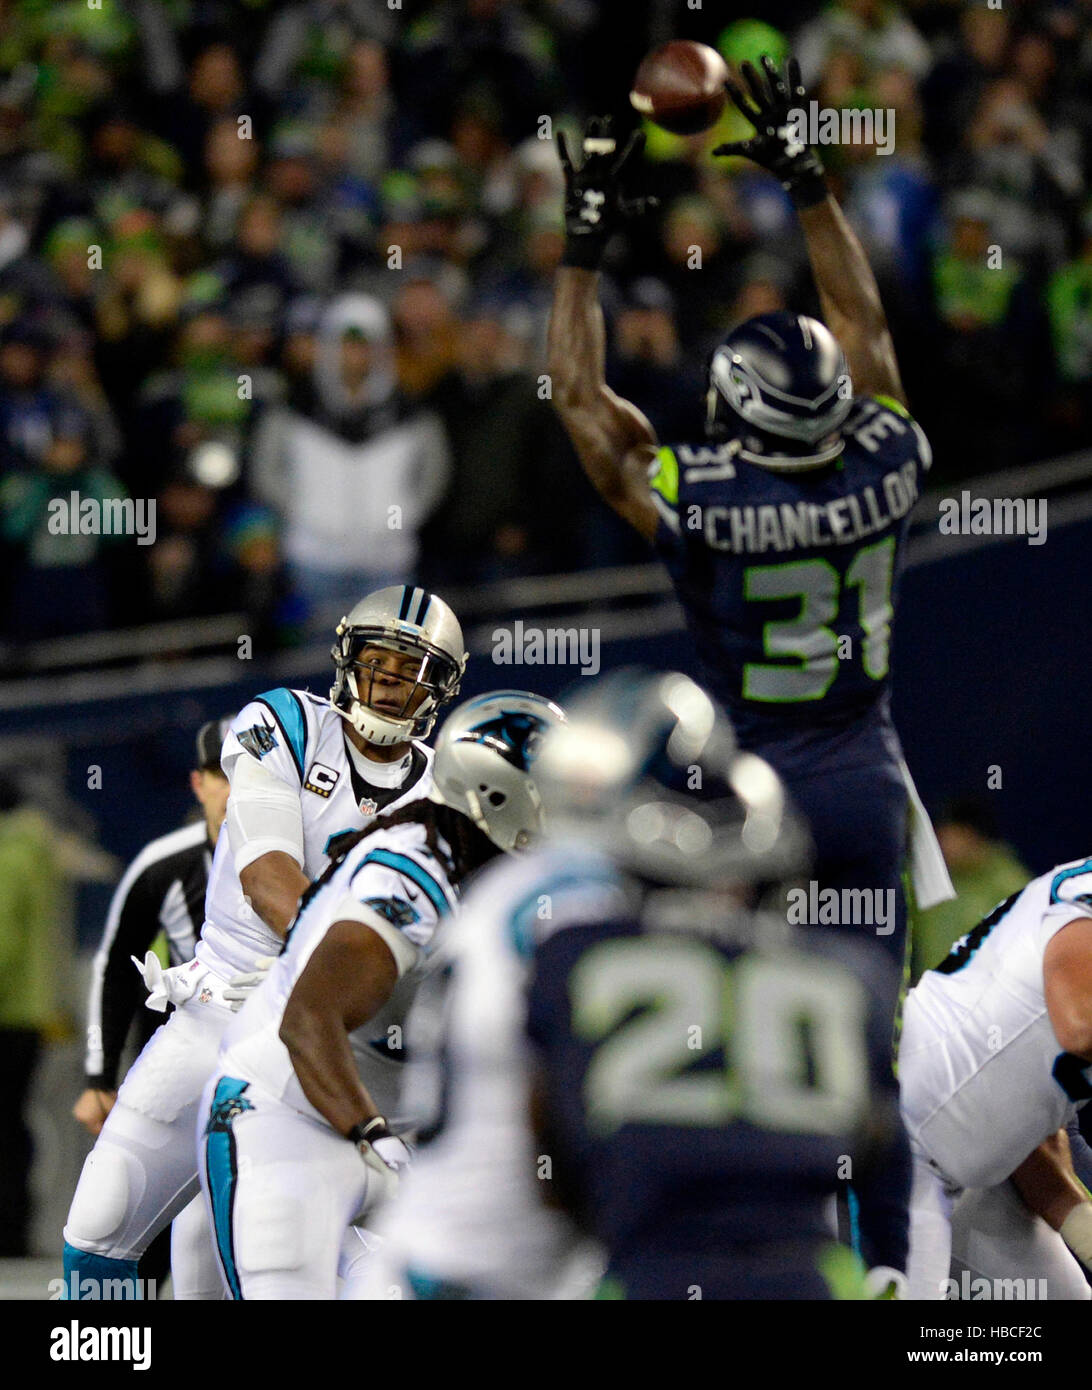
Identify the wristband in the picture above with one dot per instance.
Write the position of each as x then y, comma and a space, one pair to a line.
368, 1131
583, 253
1076, 1231
807, 190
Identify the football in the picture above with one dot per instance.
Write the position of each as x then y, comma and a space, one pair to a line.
680, 86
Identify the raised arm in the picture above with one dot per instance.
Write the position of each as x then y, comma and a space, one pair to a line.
613, 440
848, 292
850, 300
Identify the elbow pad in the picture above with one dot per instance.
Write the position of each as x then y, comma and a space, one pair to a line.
263, 814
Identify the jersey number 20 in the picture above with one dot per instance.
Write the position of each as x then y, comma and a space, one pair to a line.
792, 1030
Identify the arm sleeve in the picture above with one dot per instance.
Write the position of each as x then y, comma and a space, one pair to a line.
117, 990
263, 814
262, 758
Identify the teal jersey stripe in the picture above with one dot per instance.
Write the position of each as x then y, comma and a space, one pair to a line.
288, 713
403, 864
853, 1203
1074, 872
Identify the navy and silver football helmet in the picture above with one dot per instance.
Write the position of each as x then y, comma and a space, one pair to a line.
647, 770
785, 379
485, 755
406, 620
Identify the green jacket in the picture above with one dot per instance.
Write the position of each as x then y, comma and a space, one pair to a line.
30, 896
979, 890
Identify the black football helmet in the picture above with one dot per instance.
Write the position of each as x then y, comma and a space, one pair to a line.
785, 379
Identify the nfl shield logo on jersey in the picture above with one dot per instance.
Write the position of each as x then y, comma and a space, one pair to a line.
368, 807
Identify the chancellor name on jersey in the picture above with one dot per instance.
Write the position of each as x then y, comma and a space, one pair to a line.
301, 740
769, 634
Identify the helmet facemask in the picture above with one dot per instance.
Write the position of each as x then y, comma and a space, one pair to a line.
415, 695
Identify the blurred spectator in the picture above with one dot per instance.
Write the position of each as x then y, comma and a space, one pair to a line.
425, 330
988, 316
648, 366
187, 189
508, 507
1069, 303
59, 577
874, 29
27, 408
893, 200
215, 89
30, 884
984, 872
489, 48
353, 470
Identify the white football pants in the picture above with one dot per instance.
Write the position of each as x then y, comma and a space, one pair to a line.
142, 1172
984, 1234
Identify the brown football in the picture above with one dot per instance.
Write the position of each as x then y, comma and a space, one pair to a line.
681, 87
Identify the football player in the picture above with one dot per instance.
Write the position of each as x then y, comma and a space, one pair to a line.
994, 1059
302, 1118
302, 770
782, 531
699, 1077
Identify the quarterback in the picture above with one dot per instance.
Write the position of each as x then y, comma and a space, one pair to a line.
302, 770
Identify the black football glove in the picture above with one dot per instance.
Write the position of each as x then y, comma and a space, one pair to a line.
775, 145
594, 206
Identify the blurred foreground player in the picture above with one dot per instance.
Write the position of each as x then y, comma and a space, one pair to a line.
995, 1058
623, 1033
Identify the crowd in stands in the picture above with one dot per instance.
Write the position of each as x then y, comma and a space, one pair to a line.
284, 266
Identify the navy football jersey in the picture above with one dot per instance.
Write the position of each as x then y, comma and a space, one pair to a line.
788, 581
708, 1084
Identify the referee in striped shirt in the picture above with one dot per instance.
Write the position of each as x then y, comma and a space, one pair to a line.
163, 890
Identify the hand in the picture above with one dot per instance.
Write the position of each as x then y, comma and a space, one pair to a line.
594, 206
777, 145
173, 986
241, 987
385, 1161
92, 1108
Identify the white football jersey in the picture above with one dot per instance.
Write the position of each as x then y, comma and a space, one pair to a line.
405, 887
469, 1210
983, 1078
301, 740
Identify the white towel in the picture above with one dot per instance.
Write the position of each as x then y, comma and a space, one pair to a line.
928, 872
